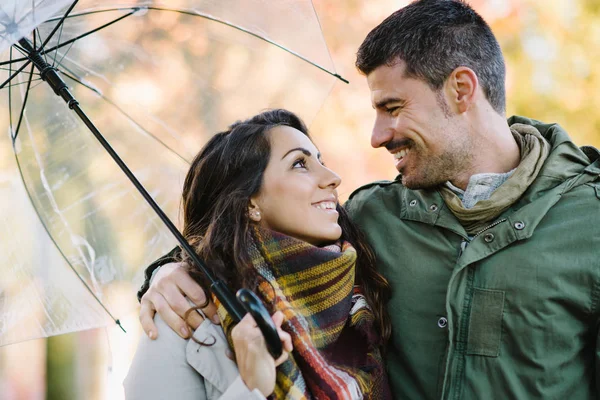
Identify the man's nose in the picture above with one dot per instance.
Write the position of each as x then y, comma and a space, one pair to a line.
382, 133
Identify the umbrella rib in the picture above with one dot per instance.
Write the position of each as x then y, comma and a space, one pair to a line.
32, 12
70, 41
10, 69
7, 17
39, 82
16, 60
17, 72
23, 83
62, 20
35, 41
71, 76
211, 18
39, 35
58, 41
64, 55
22, 113
242, 29
22, 50
321, 29
117, 321
63, 44
10, 119
14, 12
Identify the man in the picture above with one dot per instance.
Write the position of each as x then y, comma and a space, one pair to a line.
490, 235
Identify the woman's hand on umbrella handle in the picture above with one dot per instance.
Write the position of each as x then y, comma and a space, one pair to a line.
256, 365
167, 295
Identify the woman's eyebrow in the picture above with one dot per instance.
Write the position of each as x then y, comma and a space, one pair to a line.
302, 149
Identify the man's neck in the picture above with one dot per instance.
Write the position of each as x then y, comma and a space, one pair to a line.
495, 150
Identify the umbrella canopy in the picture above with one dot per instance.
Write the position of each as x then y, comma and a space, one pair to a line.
158, 79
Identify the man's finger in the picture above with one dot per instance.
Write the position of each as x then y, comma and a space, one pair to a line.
168, 289
194, 319
147, 318
211, 313
174, 321
192, 290
188, 286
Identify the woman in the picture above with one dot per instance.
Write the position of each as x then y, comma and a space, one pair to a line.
262, 209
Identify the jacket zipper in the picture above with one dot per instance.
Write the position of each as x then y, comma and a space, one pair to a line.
465, 242
463, 245
489, 227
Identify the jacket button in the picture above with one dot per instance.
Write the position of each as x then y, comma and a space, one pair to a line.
413, 203
489, 237
442, 322
433, 207
519, 225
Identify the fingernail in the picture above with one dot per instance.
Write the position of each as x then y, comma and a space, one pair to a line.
151, 335
215, 318
184, 331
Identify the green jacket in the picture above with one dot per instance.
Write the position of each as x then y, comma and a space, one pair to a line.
514, 312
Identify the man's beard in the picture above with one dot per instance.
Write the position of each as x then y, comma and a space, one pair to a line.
436, 170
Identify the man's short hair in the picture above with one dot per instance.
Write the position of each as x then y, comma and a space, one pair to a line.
433, 37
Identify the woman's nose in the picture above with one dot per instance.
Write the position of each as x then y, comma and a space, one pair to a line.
330, 179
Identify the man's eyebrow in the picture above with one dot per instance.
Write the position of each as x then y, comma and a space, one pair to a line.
387, 100
303, 150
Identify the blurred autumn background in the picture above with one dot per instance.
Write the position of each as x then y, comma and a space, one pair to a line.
551, 48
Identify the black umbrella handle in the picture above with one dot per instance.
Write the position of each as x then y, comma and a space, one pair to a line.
263, 320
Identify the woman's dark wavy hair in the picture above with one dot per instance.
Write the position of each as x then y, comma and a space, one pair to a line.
222, 178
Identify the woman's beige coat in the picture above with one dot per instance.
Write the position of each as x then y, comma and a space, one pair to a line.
174, 368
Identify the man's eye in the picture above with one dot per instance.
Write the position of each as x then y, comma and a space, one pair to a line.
391, 110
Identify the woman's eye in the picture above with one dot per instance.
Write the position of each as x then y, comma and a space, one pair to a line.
300, 163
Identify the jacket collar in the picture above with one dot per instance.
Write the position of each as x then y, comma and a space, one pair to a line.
566, 159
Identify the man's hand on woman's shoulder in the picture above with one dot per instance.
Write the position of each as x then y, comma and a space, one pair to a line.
168, 296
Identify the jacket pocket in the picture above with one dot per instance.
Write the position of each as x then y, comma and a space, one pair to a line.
485, 324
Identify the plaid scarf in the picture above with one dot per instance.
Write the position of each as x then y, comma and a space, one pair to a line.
335, 352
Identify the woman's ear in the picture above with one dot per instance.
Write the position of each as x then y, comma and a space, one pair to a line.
254, 211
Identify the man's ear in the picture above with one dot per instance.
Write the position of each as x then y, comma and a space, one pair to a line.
254, 211
461, 89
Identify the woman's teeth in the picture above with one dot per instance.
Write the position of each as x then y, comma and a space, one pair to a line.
325, 205
401, 154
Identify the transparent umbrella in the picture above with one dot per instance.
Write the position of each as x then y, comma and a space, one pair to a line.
153, 80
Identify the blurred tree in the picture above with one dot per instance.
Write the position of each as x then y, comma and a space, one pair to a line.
60, 368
